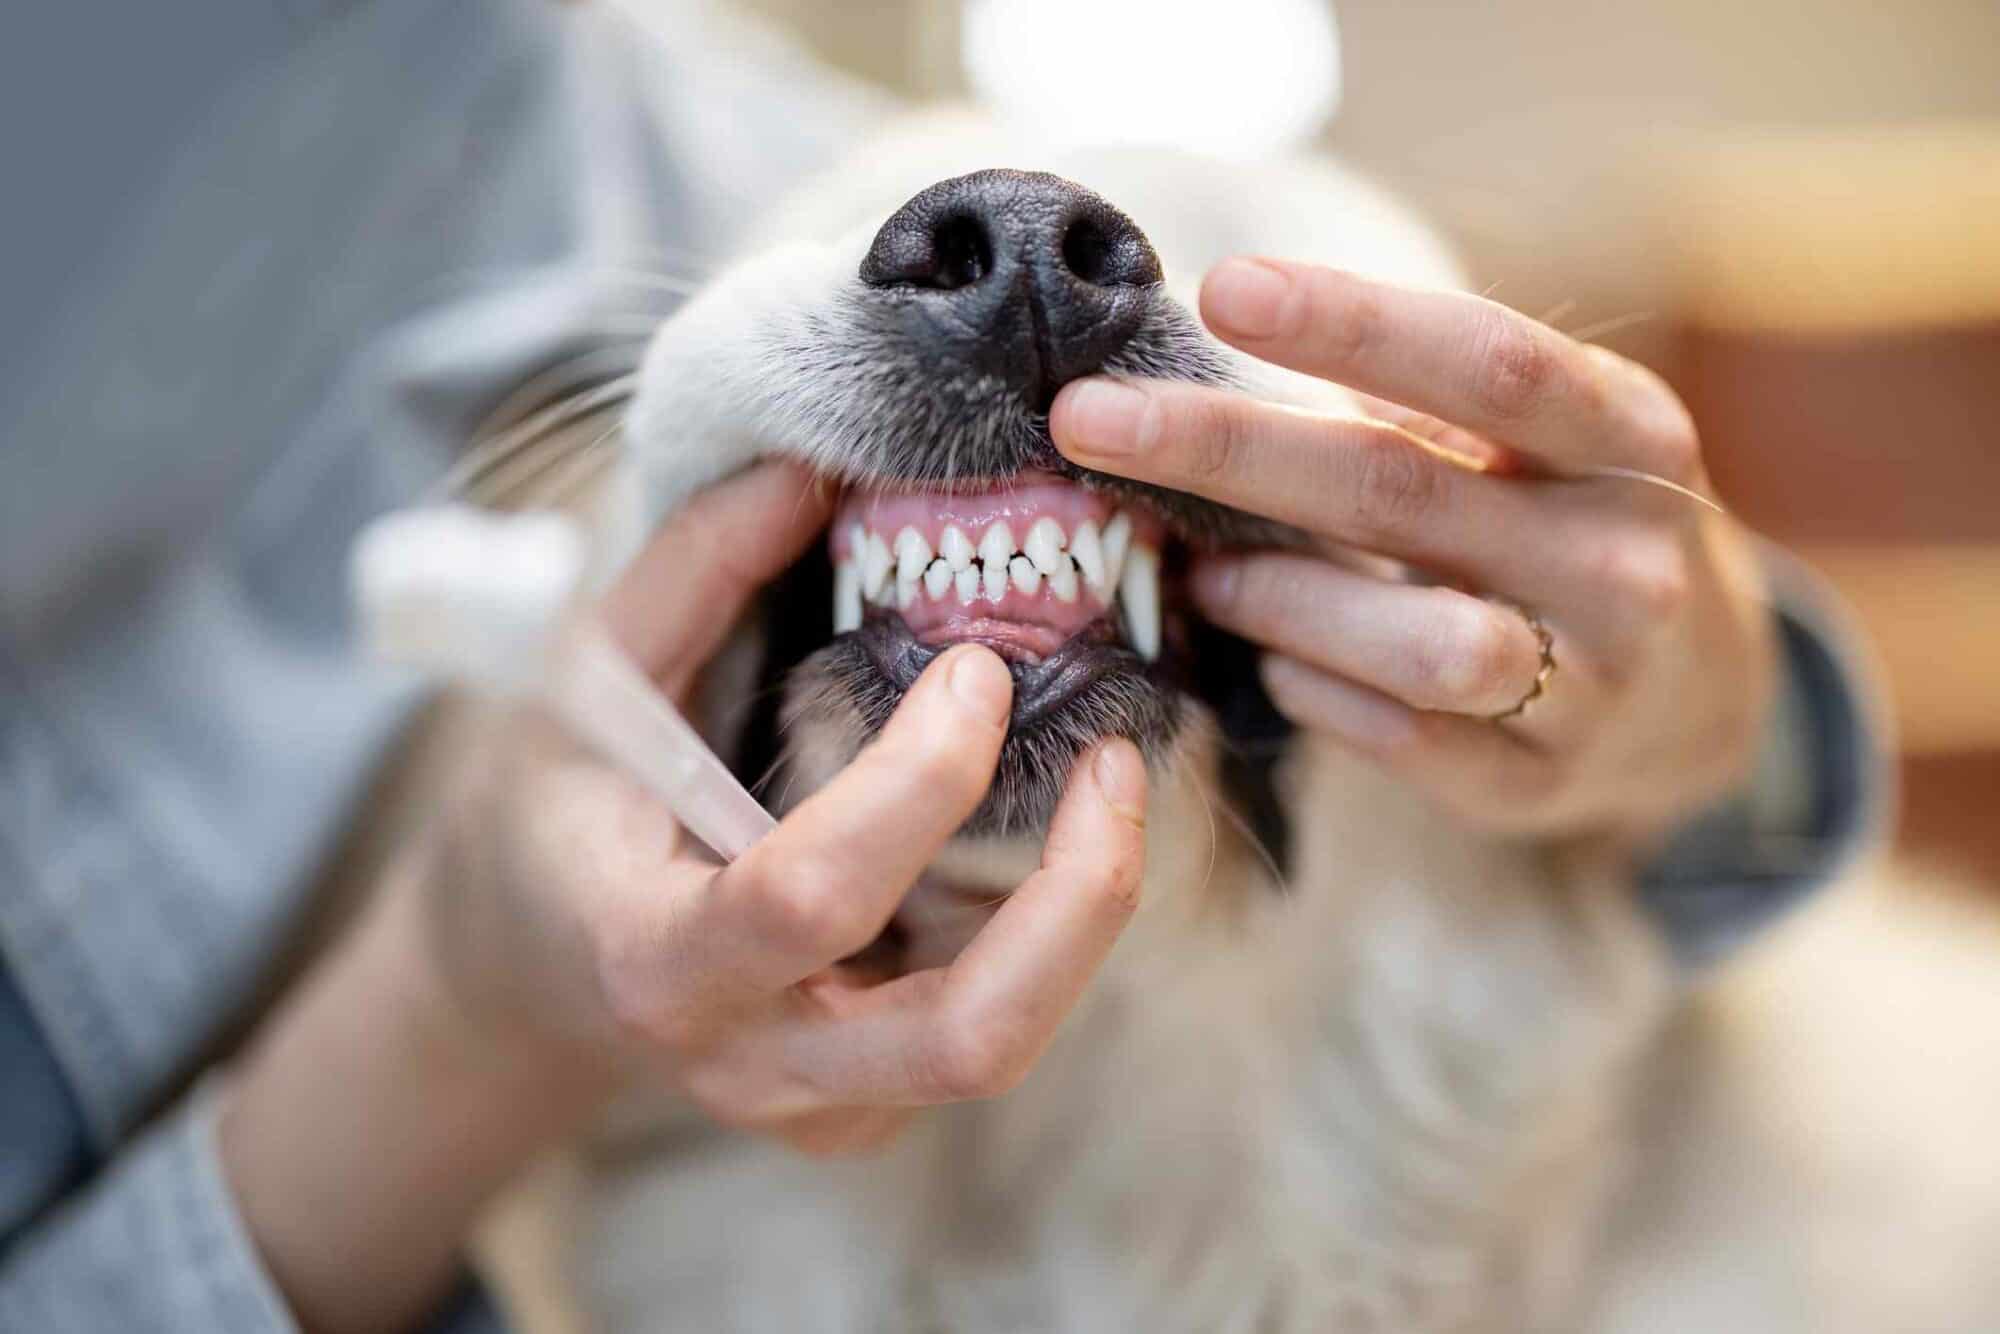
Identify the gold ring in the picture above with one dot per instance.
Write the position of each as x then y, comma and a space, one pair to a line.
1545, 645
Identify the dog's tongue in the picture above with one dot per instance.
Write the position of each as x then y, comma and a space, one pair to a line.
1022, 567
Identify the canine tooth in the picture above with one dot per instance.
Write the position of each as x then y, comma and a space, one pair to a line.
955, 547
875, 563
1026, 577
997, 547
1087, 550
967, 582
913, 553
1045, 544
937, 578
846, 597
1063, 582
857, 542
995, 580
1117, 539
1139, 592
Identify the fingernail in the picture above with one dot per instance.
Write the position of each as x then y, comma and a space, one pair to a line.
981, 681
1121, 777
1245, 297
1216, 581
1101, 416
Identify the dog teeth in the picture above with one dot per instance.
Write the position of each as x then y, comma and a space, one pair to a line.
1139, 594
994, 578
1105, 561
1087, 550
1026, 577
955, 547
997, 547
1117, 540
1044, 546
1063, 582
913, 556
846, 597
875, 565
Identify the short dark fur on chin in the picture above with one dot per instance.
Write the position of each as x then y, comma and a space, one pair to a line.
841, 683
950, 426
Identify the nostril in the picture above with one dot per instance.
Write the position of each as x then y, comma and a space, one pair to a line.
1108, 251
944, 252
964, 252
1086, 252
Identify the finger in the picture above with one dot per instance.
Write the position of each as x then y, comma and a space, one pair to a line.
1609, 561
677, 601
1430, 648
823, 884
973, 1029
1350, 479
1459, 357
1480, 770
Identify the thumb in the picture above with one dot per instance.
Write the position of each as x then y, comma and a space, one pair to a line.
675, 603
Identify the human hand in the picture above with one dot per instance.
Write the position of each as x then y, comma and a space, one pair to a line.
1482, 465
570, 913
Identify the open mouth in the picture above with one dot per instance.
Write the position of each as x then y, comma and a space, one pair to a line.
1059, 580
1072, 585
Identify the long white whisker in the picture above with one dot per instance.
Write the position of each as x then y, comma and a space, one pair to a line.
1604, 328
1556, 314
513, 482
482, 460
1650, 479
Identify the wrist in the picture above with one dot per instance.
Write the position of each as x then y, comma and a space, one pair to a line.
370, 1122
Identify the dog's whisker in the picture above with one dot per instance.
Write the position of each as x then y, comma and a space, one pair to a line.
1556, 314
1201, 790
478, 467
1591, 333
550, 477
552, 386
583, 468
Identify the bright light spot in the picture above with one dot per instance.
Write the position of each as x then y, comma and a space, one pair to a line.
1243, 78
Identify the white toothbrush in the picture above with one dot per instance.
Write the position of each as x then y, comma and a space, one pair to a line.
493, 600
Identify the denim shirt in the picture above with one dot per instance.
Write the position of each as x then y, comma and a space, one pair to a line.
315, 241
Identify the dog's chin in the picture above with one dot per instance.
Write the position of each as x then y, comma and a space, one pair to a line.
1091, 689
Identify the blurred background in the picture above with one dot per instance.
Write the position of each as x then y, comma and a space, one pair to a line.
1791, 208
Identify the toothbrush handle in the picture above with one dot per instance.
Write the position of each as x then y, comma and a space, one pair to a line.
603, 696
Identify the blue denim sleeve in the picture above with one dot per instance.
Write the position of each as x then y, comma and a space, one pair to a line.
1817, 801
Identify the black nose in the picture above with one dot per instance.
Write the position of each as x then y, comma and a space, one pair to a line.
1019, 275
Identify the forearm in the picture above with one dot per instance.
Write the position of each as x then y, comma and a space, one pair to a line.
368, 1125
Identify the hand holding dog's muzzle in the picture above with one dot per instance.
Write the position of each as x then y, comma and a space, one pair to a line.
571, 914
1583, 653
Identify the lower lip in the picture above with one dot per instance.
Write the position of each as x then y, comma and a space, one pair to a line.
1040, 687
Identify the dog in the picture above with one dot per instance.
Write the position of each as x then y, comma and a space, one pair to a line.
1353, 1066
